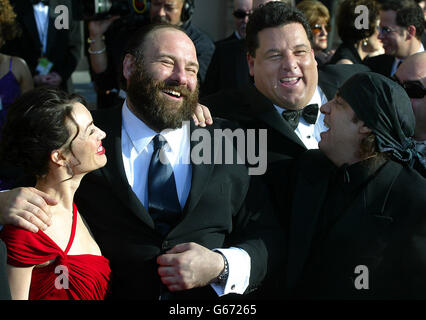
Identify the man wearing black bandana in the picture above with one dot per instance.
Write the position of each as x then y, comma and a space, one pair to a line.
362, 234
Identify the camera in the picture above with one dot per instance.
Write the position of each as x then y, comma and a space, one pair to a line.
104, 9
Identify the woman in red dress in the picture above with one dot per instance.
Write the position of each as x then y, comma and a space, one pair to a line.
51, 135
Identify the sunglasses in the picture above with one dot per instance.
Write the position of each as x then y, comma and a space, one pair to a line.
414, 89
317, 28
241, 14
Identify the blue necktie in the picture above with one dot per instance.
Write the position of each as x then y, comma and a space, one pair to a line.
163, 202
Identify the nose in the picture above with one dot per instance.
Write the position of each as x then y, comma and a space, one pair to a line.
101, 134
325, 108
289, 62
161, 12
179, 75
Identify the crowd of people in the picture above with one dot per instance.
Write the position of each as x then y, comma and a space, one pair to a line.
132, 204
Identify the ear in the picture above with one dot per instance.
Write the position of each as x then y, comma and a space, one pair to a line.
250, 61
364, 129
58, 158
313, 57
411, 31
128, 65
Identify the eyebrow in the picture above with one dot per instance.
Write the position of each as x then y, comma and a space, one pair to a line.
296, 47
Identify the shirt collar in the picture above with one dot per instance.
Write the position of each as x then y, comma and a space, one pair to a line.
316, 99
141, 135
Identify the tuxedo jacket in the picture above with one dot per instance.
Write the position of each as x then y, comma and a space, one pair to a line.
4, 283
225, 207
63, 46
380, 64
383, 229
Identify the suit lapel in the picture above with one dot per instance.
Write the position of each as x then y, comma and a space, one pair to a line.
52, 31
114, 170
31, 26
200, 173
263, 109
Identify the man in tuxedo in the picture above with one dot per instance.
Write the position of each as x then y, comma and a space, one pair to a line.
209, 233
42, 42
362, 235
400, 30
282, 63
412, 76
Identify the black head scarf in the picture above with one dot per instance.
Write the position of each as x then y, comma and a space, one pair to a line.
385, 108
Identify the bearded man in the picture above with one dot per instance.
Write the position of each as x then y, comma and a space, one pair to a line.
167, 226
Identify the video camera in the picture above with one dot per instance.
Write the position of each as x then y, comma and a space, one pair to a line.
103, 9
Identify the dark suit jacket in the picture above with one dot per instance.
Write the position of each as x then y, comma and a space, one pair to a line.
63, 46
229, 38
228, 68
384, 229
4, 283
225, 207
380, 64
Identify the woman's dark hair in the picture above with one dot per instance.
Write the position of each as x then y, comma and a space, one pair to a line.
35, 126
270, 15
346, 17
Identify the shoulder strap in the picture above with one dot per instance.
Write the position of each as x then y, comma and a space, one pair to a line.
74, 224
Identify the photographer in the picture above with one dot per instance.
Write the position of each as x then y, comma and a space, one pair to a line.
106, 39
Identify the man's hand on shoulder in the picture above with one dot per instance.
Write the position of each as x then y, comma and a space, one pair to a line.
202, 116
27, 208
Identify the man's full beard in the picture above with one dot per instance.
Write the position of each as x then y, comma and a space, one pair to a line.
155, 110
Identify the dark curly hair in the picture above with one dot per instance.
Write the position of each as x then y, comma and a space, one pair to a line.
270, 15
9, 28
35, 126
408, 12
346, 16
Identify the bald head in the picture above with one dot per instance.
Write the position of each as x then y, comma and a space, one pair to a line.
414, 69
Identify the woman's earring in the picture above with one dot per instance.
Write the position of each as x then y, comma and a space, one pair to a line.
364, 42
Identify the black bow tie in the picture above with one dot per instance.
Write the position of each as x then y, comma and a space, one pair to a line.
45, 2
309, 113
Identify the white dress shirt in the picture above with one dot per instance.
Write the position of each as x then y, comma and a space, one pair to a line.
41, 16
310, 133
137, 151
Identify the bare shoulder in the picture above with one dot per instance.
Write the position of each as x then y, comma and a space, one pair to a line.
19, 64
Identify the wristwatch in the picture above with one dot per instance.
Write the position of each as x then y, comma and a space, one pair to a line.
223, 276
